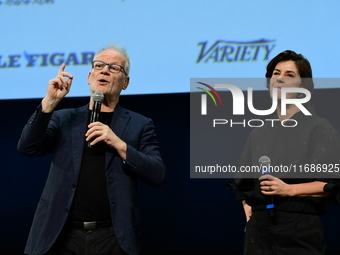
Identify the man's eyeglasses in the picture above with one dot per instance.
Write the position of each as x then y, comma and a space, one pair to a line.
113, 68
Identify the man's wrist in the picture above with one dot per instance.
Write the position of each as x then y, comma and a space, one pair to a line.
122, 151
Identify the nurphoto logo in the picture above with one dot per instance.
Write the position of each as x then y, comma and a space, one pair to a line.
239, 103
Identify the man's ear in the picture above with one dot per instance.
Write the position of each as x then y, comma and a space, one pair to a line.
127, 81
88, 77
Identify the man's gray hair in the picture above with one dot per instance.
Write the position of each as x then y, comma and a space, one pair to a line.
122, 50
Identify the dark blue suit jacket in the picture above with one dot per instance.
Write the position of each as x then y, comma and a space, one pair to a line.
62, 133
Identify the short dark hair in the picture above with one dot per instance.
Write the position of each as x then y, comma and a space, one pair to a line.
302, 64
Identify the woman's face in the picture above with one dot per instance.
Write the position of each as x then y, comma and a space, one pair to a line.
285, 74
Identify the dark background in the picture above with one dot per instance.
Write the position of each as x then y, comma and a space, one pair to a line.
184, 216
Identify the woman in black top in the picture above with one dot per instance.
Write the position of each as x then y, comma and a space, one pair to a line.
294, 225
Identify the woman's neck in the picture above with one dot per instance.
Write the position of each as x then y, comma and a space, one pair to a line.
290, 111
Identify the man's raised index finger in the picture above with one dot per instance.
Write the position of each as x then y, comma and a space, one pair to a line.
62, 68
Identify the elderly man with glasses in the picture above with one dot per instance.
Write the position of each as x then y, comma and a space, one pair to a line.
88, 204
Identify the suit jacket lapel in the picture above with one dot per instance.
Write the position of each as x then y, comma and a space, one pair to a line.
78, 128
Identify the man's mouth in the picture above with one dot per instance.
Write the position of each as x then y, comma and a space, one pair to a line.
102, 81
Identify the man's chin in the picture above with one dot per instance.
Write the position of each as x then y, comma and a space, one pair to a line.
99, 88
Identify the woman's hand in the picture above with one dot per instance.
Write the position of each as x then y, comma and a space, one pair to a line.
271, 185
247, 210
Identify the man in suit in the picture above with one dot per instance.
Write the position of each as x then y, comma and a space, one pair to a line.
88, 204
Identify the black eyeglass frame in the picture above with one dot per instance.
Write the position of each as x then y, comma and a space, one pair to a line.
109, 65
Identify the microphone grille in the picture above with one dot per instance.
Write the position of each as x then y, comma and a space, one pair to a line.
98, 96
264, 160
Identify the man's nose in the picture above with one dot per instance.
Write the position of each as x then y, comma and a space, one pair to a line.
106, 69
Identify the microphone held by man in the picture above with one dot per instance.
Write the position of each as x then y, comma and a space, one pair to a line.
97, 98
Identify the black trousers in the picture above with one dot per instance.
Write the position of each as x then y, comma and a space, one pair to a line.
284, 234
86, 242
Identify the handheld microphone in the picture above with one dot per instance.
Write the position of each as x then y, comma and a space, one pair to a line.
264, 162
98, 98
